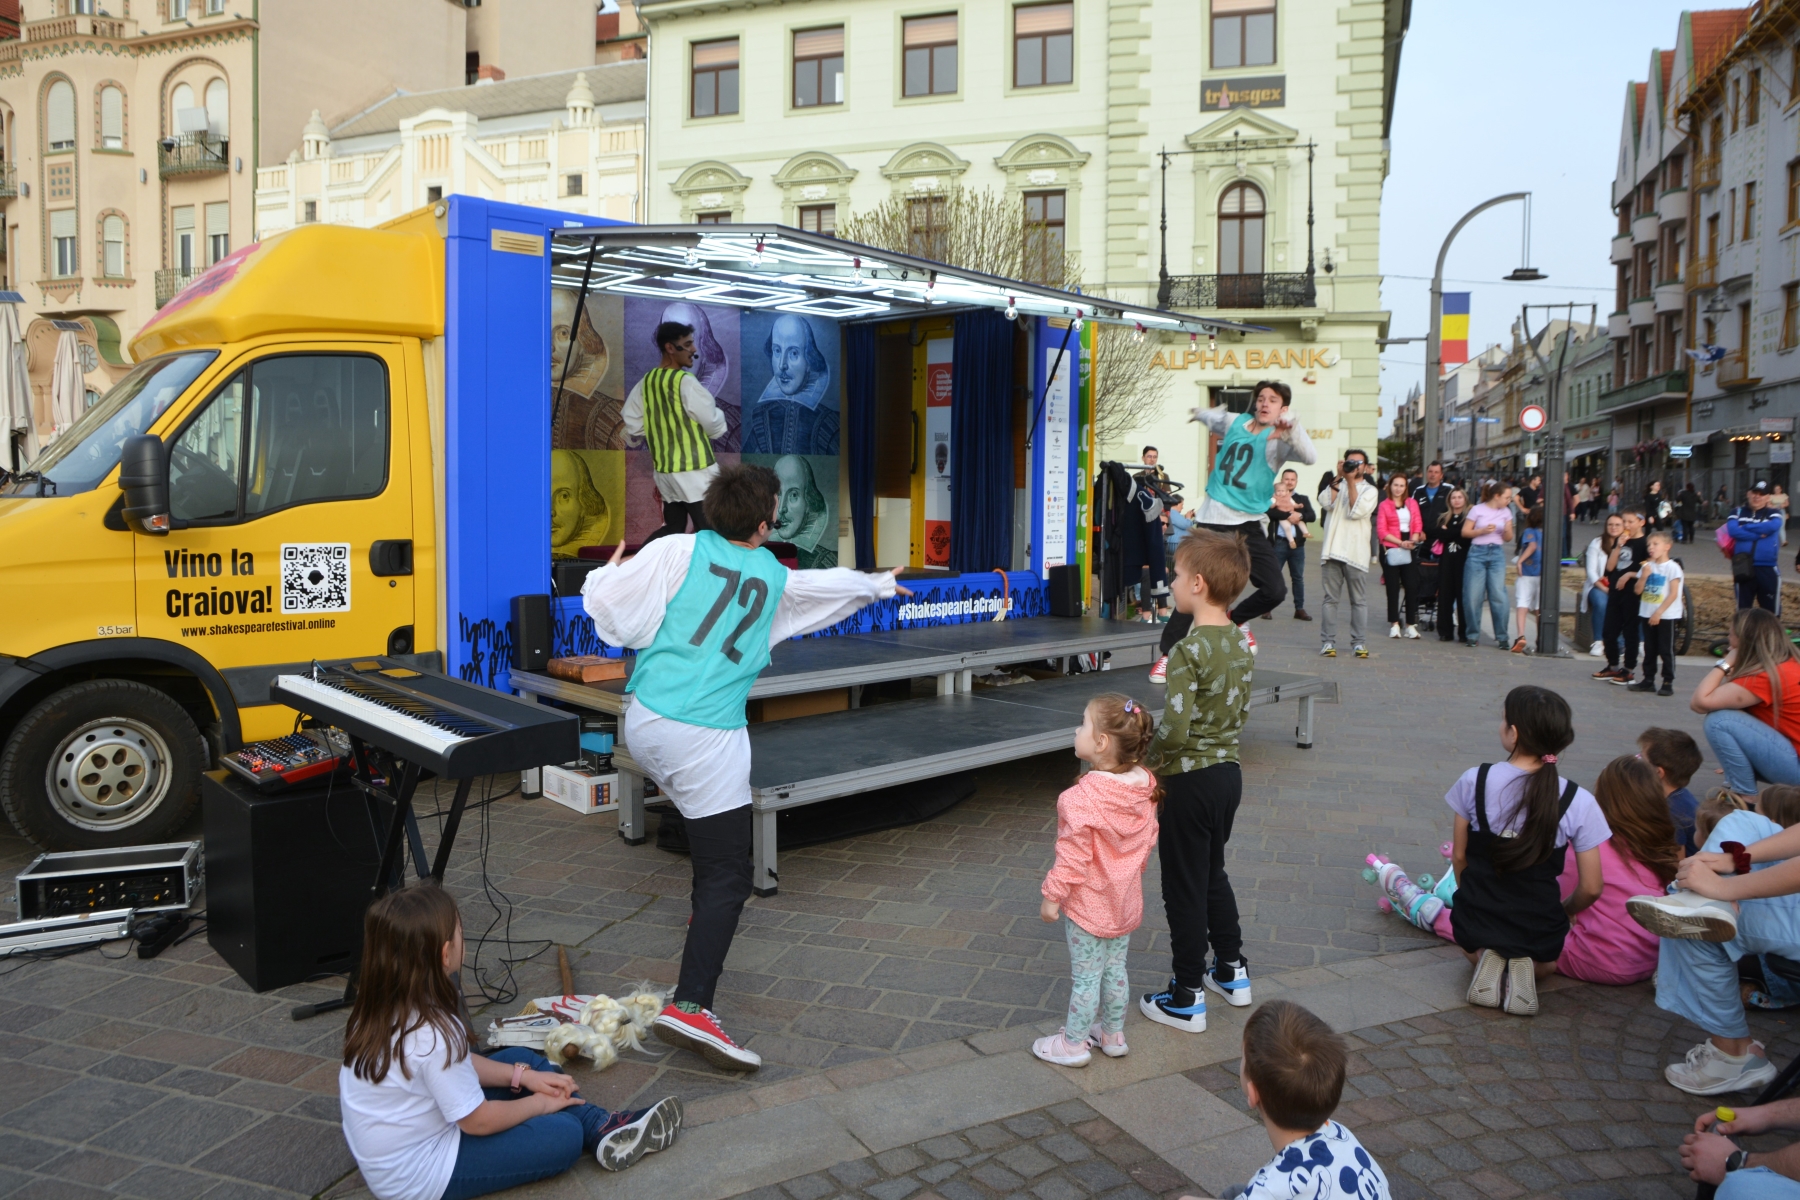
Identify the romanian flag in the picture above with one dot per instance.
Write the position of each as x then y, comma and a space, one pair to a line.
1454, 338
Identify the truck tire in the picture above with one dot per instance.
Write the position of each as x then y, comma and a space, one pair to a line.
139, 756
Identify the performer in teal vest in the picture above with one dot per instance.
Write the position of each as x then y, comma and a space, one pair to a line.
1240, 488
703, 611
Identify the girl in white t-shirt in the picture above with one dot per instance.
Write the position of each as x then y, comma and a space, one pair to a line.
425, 1118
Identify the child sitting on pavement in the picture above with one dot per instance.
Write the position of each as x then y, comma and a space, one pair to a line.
1293, 1077
1105, 827
1674, 756
1196, 754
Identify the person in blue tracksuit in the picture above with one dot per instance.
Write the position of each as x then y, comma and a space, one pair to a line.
1756, 529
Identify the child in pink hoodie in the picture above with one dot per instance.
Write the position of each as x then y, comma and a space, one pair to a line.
1105, 830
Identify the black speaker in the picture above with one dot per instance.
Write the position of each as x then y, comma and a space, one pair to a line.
1063, 589
288, 877
531, 633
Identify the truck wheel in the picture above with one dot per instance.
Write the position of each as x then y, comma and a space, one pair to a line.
102, 764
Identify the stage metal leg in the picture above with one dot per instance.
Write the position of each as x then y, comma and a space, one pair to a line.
531, 782
763, 876
1303, 734
631, 807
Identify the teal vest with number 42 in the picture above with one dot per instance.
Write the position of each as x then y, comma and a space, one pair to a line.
714, 639
1241, 477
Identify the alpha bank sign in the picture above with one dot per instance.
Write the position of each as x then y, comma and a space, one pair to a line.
1262, 91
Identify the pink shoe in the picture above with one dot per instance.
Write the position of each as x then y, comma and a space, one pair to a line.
1111, 1044
1061, 1051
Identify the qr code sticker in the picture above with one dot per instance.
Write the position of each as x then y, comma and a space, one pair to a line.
315, 577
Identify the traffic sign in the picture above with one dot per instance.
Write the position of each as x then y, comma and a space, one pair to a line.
1533, 418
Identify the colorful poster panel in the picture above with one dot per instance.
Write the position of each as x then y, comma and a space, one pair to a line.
716, 363
806, 513
588, 408
938, 365
791, 375
587, 499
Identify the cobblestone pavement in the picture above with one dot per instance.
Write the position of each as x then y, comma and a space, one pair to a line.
170, 1078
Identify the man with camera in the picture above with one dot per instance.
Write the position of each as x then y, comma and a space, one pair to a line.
1346, 502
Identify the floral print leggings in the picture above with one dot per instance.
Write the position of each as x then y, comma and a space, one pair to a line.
1098, 987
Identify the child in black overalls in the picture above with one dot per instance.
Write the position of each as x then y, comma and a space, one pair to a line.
1512, 821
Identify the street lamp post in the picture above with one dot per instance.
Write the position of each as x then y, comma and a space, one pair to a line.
1551, 462
1434, 345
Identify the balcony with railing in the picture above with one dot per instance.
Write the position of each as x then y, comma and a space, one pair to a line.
1657, 387
9, 181
192, 154
1733, 371
170, 281
79, 25
1293, 289
1706, 172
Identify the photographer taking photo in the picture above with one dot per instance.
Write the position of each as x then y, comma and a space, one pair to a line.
1346, 501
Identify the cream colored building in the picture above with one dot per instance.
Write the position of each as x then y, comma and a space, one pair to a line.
571, 140
804, 111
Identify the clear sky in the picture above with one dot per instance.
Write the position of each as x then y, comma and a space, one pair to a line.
1522, 96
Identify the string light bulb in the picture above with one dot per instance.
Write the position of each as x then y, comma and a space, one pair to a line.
1075, 321
757, 258
856, 269
1012, 308
1138, 334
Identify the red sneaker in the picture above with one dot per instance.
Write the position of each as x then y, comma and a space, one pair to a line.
1160, 672
700, 1033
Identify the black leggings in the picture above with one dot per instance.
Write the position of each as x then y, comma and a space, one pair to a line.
1405, 576
1449, 598
1622, 625
1265, 577
676, 514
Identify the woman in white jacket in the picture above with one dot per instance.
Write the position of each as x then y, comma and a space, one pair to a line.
1594, 596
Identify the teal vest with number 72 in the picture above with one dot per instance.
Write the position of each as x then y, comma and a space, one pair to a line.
714, 639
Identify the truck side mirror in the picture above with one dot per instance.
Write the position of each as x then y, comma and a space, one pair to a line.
144, 478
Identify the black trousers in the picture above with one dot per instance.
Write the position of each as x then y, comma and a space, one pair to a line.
1194, 825
1265, 577
1622, 626
676, 514
1449, 599
719, 848
1404, 577
1659, 643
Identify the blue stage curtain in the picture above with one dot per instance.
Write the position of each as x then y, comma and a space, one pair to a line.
981, 459
859, 345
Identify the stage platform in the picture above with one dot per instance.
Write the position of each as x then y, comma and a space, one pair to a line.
951, 653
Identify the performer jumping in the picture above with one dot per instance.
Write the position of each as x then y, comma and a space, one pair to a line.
1239, 490
703, 611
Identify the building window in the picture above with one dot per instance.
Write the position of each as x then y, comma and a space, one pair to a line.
1243, 33
1753, 99
178, 10
112, 118
1044, 236
1043, 44
61, 177
819, 218
1794, 73
218, 109
1749, 211
572, 184
819, 67
112, 247
1793, 191
59, 117
218, 231
716, 78
83, 8
1730, 216
434, 193
927, 227
309, 212
1241, 230
63, 259
186, 256
1737, 102
215, 8
930, 65
1790, 316
712, 218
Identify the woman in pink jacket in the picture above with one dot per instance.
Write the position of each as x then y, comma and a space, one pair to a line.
1105, 830
1401, 531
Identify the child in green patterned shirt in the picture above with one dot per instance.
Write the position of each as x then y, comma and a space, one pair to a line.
1195, 753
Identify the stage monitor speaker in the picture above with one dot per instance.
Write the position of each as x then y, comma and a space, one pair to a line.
531, 633
1063, 590
288, 877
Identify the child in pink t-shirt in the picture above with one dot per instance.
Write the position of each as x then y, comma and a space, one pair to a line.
1105, 829
1604, 944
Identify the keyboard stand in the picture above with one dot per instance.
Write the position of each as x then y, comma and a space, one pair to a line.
402, 826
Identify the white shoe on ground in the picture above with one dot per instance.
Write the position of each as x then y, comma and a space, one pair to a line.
1685, 915
1484, 989
1521, 987
1709, 1071
1412, 631
1597, 650
1394, 631
1061, 1051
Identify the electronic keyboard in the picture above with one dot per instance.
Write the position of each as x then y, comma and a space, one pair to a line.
452, 729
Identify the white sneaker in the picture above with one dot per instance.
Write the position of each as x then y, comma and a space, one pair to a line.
1684, 915
1230, 980
1521, 988
1394, 631
1160, 672
1597, 650
1412, 631
1328, 651
1484, 989
1709, 1071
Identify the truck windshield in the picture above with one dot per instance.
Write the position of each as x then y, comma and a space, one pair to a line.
79, 459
